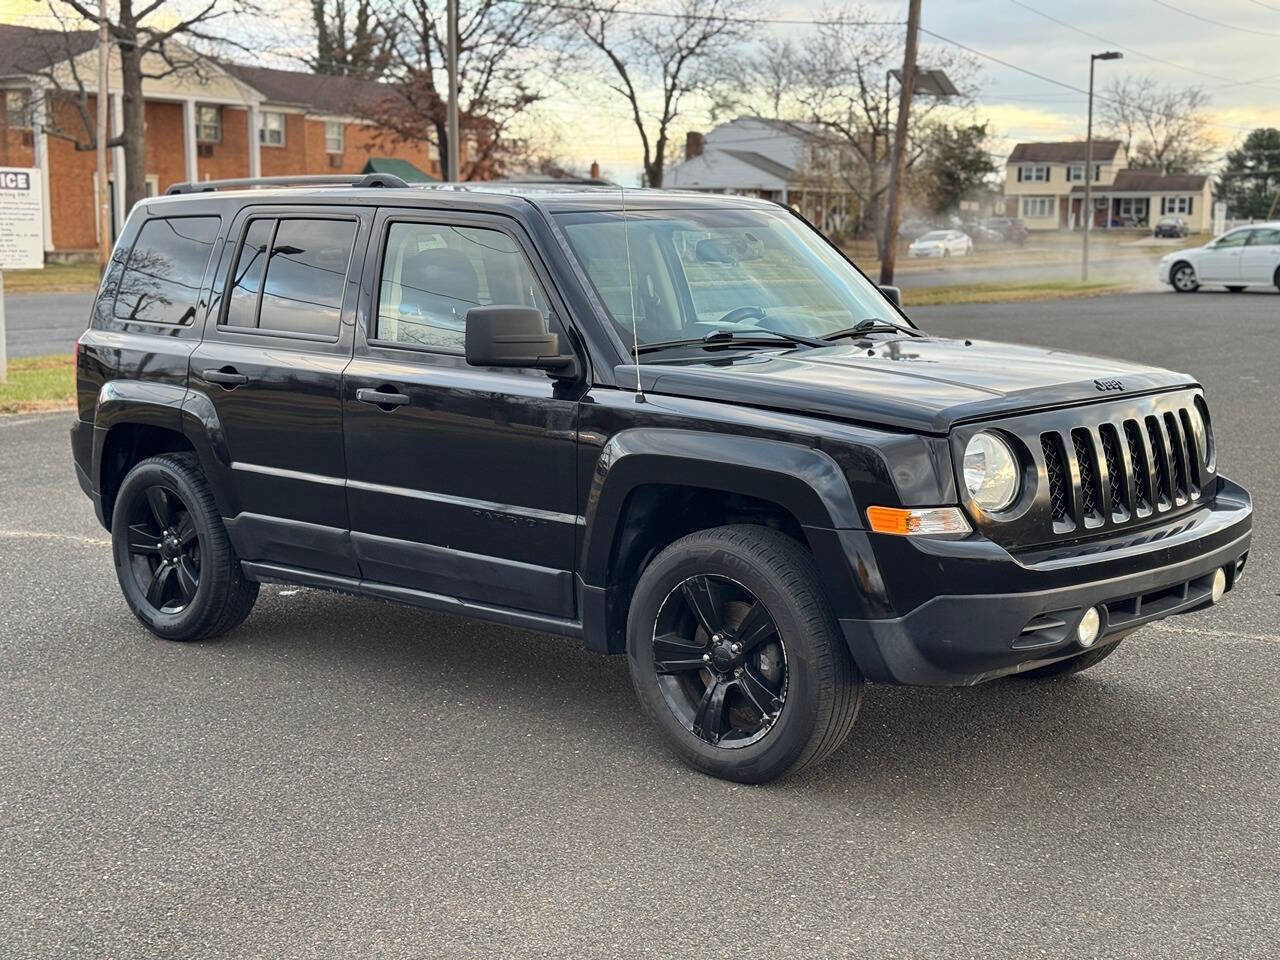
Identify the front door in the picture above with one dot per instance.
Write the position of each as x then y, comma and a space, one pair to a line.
461, 479
1260, 258
271, 364
1220, 263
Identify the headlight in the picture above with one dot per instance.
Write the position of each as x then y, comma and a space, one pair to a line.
990, 472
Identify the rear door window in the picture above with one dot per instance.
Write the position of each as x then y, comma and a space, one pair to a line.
290, 276
165, 270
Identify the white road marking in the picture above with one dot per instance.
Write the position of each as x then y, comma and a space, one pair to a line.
46, 535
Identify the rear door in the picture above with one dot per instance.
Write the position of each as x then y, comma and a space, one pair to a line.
1261, 256
275, 346
461, 479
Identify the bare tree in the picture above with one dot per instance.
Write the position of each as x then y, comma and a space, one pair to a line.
350, 43
675, 56
838, 80
1163, 127
508, 55
151, 41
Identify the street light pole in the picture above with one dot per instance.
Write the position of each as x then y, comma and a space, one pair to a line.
1086, 211
898, 162
452, 172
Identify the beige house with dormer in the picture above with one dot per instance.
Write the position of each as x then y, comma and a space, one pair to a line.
1045, 183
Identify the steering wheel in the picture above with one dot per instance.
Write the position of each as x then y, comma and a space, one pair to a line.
742, 313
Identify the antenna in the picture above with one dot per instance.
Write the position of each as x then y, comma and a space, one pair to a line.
631, 289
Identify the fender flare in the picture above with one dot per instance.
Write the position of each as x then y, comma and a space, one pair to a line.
803, 480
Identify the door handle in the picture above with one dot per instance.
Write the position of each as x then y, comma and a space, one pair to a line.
381, 398
227, 376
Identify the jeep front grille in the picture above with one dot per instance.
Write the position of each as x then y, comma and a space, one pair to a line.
1100, 466
1166, 464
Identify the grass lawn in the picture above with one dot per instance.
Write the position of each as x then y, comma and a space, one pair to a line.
39, 383
54, 278
1008, 292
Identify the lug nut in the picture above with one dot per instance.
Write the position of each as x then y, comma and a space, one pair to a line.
736, 648
706, 658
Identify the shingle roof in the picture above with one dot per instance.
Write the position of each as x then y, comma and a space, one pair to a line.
1150, 181
325, 94
761, 162
1069, 151
25, 50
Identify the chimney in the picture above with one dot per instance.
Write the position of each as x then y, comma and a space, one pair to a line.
693, 144
595, 170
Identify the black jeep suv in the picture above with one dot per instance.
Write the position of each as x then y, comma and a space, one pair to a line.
681, 427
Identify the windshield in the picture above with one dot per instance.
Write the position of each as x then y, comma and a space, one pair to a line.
936, 235
694, 272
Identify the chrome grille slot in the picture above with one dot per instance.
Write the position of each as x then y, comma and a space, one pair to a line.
1115, 472
1160, 461
1090, 497
1177, 458
1049, 444
1141, 469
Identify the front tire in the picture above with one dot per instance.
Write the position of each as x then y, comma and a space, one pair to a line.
1183, 278
175, 565
736, 656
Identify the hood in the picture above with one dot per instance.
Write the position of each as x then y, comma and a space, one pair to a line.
923, 384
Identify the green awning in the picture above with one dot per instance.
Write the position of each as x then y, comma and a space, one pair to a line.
403, 169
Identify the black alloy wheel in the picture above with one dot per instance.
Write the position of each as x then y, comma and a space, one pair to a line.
177, 569
720, 662
164, 549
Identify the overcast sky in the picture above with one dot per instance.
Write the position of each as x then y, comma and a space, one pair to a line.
1234, 57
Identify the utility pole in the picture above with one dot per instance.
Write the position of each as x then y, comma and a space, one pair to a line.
453, 172
104, 82
1086, 212
899, 163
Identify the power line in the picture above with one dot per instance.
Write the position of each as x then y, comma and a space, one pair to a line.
1216, 23
1147, 56
706, 18
1052, 80
1267, 5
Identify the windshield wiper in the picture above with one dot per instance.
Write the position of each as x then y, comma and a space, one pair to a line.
871, 325
736, 338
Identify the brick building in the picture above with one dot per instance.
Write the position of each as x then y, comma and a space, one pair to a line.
218, 120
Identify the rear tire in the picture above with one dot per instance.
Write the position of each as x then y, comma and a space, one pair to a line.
1071, 666
786, 700
173, 559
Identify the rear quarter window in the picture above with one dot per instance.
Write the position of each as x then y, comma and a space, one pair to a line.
164, 272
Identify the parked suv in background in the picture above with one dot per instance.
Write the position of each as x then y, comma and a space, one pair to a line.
680, 427
1243, 257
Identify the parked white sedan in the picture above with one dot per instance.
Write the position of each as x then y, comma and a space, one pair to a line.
1243, 257
941, 243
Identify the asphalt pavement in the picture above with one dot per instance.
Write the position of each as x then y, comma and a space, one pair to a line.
343, 777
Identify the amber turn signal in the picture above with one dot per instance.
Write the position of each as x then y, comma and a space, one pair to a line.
930, 521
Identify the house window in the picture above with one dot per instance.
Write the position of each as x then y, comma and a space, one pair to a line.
271, 132
17, 109
1075, 173
1037, 207
335, 136
209, 124
1175, 205
1036, 174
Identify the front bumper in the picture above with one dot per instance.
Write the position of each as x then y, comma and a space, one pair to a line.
1002, 614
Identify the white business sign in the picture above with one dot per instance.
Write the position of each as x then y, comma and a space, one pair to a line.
21, 219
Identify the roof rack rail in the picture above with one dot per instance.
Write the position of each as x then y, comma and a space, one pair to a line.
320, 180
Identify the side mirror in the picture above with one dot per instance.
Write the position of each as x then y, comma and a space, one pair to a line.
892, 294
511, 336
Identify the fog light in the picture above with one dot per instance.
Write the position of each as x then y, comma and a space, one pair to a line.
1088, 627
1219, 585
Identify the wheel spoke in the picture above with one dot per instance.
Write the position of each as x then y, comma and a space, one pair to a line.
673, 654
142, 540
187, 578
158, 500
709, 722
186, 530
756, 627
159, 584
704, 599
758, 691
